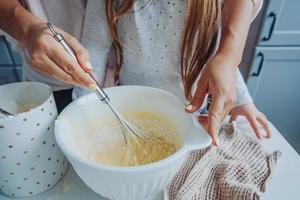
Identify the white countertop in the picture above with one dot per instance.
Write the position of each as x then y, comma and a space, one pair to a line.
285, 184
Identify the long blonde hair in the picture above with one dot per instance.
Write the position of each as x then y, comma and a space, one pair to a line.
202, 21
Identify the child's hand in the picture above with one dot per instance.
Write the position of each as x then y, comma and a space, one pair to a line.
254, 116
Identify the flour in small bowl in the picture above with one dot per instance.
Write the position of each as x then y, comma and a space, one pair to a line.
16, 108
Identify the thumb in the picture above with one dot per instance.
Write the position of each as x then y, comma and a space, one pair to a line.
198, 99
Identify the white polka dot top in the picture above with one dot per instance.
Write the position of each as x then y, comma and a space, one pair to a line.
151, 38
150, 33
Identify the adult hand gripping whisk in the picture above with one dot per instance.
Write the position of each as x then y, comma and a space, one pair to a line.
128, 130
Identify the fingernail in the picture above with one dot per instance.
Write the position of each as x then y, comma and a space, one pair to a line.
260, 138
189, 107
216, 142
93, 86
88, 65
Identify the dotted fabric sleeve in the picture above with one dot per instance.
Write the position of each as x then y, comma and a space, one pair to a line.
238, 169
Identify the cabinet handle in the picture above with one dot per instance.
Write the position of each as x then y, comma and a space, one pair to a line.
260, 64
273, 15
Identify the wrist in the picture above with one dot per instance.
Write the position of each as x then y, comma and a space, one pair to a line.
25, 22
230, 46
231, 60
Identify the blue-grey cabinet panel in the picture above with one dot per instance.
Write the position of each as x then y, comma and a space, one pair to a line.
274, 83
10, 74
5, 58
281, 24
17, 59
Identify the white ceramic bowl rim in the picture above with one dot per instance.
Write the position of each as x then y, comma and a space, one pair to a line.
36, 107
139, 168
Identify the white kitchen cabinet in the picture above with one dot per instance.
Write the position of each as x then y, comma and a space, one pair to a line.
274, 83
281, 23
274, 74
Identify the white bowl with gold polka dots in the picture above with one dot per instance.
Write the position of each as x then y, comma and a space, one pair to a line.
30, 160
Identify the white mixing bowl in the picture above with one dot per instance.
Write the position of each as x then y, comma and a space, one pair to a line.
126, 183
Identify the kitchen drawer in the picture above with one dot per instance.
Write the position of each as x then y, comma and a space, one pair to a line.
10, 74
281, 23
5, 58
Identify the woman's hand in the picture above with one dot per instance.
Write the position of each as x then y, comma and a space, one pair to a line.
218, 79
254, 116
46, 54
49, 57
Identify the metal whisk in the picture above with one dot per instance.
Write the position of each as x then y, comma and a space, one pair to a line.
128, 129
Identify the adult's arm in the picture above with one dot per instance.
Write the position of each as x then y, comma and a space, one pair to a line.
237, 17
46, 54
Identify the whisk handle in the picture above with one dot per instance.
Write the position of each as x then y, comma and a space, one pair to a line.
60, 38
99, 91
